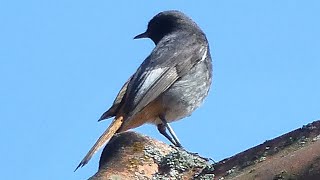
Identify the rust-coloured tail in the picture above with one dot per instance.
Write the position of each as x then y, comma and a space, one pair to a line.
112, 129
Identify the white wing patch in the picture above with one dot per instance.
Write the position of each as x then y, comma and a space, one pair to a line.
204, 54
153, 75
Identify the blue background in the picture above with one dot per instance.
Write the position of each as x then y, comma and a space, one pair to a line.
63, 62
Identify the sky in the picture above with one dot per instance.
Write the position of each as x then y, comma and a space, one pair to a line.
63, 62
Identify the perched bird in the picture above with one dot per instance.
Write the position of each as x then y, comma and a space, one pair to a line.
170, 83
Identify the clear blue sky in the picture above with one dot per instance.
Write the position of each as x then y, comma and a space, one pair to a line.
63, 62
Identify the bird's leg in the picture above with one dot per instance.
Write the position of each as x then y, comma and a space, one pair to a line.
162, 129
174, 136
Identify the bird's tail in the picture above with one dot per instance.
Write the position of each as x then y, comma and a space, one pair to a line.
112, 129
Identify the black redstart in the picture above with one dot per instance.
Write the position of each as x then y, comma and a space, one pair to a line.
170, 83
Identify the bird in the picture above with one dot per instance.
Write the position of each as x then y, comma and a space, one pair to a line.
170, 83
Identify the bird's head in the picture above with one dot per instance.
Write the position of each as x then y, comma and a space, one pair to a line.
166, 23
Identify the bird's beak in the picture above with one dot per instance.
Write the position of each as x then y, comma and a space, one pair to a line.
143, 35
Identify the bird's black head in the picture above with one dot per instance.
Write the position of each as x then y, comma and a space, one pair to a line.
165, 23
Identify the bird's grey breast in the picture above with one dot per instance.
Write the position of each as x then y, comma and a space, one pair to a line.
189, 91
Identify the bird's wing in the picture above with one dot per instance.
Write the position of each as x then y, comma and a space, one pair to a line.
172, 58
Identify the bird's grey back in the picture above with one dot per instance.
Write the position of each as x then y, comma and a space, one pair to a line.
173, 57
